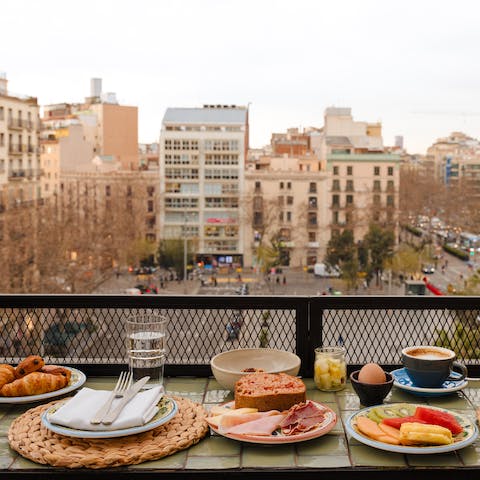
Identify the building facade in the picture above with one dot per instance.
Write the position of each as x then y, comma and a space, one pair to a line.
346, 179
202, 165
20, 171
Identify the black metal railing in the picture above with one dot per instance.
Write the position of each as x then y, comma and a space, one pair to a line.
88, 330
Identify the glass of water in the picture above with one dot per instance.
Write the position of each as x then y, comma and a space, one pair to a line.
146, 347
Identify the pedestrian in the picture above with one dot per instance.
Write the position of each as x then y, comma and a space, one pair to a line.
284, 280
278, 280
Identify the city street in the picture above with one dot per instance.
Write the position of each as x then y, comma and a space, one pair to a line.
290, 282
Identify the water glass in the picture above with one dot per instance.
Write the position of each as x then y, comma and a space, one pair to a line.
146, 347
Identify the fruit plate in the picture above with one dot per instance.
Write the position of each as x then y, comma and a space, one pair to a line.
77, 379
279, 438
403, 381
167, 410
467, 437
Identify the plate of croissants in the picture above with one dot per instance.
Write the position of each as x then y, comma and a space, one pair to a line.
32, 380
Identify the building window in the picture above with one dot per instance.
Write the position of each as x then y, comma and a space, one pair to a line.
335, 217
312, 202
257, 218
312, 187
258, 186
349, 187
349, 200
376, 185
376, 199
257, 203
312, 236
349, 170
150, 191
390, 186
312, 218
335, 170
336, 185
289, 200
390, 171
108, 190
280, 200
150, 206
280, 216
376, 170
289, 216
335, 200
281, 185
390, 201
289, 185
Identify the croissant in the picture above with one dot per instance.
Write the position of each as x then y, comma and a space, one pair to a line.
56, 370
7, 374
34, 383
30, 364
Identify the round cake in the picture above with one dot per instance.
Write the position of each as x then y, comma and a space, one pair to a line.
269, 391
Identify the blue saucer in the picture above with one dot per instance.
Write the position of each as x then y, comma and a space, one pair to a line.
403, 381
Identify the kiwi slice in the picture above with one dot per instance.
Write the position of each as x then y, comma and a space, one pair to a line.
403, 410
372, 415
385, 412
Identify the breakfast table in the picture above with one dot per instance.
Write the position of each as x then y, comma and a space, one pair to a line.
206, 454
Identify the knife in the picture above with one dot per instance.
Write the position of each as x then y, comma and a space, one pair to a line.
136, 387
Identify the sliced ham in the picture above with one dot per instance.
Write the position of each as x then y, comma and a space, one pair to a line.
262, 426
302, 418
228, 421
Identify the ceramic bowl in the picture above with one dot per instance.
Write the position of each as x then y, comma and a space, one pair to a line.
371, 393
228, 367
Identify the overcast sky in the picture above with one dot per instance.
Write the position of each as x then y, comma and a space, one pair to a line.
411, 64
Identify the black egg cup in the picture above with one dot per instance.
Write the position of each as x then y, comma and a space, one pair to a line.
371, 393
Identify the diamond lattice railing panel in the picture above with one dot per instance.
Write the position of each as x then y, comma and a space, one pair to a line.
96, 335
380, 335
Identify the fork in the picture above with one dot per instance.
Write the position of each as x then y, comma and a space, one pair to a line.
123, 384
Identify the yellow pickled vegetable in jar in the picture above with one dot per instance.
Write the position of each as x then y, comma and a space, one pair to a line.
330, 368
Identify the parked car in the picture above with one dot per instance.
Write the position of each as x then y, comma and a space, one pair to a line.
324, 270
428, 269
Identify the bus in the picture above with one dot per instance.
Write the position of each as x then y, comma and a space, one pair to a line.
469, 241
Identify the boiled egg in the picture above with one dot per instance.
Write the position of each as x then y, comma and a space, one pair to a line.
372, 373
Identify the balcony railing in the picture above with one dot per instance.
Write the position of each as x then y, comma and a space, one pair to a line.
88, 330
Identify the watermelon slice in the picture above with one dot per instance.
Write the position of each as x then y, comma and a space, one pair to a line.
395, 422
437, 417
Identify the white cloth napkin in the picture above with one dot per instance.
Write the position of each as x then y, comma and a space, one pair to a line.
79, 410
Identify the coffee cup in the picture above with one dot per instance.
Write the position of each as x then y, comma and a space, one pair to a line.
429, 366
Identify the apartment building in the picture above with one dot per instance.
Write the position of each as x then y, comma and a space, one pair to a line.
287, 197
202, 165
98, 128
345, 180
456, 161
20, 171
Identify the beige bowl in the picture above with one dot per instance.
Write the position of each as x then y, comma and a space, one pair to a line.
227, 366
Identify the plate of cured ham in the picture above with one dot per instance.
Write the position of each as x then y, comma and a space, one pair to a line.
303, 421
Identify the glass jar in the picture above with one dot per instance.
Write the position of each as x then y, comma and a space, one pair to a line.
330, 369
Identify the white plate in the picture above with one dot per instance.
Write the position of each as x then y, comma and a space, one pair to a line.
403, 381
77, 379
467, 437
280, 438
168, 409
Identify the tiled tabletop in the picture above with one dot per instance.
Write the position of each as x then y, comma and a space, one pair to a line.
335, 450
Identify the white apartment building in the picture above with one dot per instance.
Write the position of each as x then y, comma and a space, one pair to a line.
202, 164
19, 147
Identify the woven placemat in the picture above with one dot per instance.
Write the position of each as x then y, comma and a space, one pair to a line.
32, 440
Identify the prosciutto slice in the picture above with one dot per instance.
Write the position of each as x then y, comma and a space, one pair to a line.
302, 418
262, 426
228, 421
